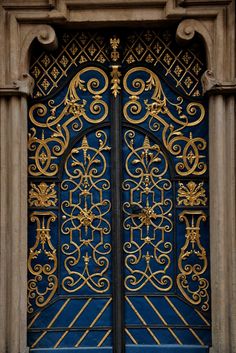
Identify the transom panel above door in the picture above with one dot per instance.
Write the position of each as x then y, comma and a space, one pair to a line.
118, 195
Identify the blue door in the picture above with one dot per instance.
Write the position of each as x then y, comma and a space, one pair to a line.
118, 243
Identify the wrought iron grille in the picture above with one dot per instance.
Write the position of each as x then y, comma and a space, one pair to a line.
118, 194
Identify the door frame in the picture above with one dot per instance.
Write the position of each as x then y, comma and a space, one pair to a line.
21, 23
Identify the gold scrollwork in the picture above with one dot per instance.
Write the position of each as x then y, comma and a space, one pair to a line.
191, 194
42, 195
160, 115
192, 262
86, 216
68, 115
42, 262
147, 215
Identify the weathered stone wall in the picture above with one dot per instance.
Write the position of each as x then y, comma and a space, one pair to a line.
23, 21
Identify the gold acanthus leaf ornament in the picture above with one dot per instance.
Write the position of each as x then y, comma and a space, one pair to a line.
42, 195
115, 80
191, 194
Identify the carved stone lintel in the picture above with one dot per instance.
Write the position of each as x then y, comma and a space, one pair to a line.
22, 87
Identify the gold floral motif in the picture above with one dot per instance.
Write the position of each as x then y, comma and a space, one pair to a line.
73, 49
169, 117
186, 57
139, 49
42, 195
69, 114
55, 72
36, 72
149, 59
188, 82
115, 81
45, 84
147, 220
92, 49
168, 59
192, 262
64, 61
42, 262
178, 70
191, 194
130, 59
86, 211
46, 61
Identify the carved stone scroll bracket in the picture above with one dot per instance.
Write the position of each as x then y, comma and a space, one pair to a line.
186, 31
211, 85
46, 36
23, 86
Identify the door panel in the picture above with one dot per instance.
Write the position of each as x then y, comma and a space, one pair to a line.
165, 226
137, 278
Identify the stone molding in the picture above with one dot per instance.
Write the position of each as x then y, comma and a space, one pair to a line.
21, 22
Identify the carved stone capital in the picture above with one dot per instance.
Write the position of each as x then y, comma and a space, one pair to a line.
208, 81
22, 87
211, 85
186, 31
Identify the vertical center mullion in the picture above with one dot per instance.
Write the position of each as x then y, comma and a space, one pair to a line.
117, 260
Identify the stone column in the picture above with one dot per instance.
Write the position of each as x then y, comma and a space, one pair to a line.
13, 246
222, 214
13, 176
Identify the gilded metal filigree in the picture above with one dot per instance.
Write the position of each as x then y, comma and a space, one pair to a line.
191, 194
192, 262
86, 216
182, 66
66, 117
148, 101
75, 49
164, 153
148, 218
115, 80
42, 262
42, 195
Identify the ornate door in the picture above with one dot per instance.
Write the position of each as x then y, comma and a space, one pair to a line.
118, 206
